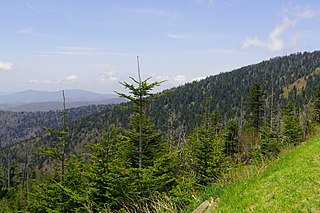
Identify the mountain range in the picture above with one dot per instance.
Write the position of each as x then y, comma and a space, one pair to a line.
32, 100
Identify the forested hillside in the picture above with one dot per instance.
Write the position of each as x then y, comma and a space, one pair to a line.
166, 147
17, 126
292, 77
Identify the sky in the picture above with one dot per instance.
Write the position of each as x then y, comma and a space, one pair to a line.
93, 44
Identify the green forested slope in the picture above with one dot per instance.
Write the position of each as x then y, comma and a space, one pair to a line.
228, 92
17, 126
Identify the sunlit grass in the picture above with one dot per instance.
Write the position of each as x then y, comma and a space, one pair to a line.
290, 184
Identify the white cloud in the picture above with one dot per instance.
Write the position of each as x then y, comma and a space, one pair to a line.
34, 81
30, 6
73, 51
208, 2
109, 76
252, 42
152, 12
6, 66
308, 13
178, 36
198, 78
275, 42
171, 80
46, 81
72, 78
160, 78
180, 79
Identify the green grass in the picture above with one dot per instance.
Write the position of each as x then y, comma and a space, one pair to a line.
289, 184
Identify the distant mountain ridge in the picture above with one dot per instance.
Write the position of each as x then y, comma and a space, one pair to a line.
17, 126
32, 100
48, 106
34, 96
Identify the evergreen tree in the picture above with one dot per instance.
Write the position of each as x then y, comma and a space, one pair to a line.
292, 129
107, 171
140, 97
153, 143
231, 139
270, 142
208, 157
255, 108
316, 104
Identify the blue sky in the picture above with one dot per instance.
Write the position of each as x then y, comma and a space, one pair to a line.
93, 44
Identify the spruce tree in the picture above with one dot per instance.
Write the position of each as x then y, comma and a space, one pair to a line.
316, 104
207, 152
140, 96
231, 139
292, 129
255, 108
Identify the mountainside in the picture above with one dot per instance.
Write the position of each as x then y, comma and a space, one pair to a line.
17, 126
292, 77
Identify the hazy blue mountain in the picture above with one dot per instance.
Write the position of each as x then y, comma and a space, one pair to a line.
33, 96
58, 105
4, 93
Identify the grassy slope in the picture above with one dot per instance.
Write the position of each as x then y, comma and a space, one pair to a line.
290, 184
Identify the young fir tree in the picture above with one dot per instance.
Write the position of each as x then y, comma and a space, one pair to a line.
141, 129
231, 139
106, 173
151, 163
143, 154
292, 129
316, 104
270, 142
256, 102
207, 150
